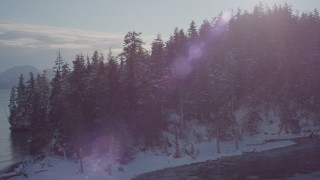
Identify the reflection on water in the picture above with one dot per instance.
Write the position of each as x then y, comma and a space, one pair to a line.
13, 146
19, 144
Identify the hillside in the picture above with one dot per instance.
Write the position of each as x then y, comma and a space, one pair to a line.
9, 77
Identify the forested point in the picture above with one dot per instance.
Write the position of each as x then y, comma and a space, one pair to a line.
230, 76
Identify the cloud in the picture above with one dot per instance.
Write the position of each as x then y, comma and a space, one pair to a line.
20, 42
47, 37
36, 45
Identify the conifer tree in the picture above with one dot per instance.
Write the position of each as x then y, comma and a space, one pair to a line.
32, 105
13, 106
22, 106
192, 31
157, 67
56, 105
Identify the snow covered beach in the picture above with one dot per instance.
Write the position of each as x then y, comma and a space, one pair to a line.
298, 161
97, 167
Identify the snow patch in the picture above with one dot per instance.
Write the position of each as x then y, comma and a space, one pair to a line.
100, 168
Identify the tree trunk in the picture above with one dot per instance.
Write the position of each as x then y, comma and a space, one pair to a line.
267, 113
202, 113
236, 137
218, 141
162, 116
80, 159
177, 153
181, 113
64, 153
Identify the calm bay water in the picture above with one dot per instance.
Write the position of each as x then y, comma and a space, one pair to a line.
13, 146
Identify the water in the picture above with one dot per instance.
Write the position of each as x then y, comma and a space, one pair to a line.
13, 146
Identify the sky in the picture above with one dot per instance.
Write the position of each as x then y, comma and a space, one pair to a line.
32, 31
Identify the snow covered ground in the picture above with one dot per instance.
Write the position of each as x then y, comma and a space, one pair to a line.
314, 175
97, 168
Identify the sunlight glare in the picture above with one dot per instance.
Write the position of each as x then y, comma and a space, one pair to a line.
195, 51
226, 16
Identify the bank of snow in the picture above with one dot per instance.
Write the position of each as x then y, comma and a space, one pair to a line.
100, 168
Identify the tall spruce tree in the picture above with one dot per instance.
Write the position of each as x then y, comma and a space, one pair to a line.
157, 64
13, 106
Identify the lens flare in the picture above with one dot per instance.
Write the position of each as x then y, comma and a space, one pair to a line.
195, 51
181, 68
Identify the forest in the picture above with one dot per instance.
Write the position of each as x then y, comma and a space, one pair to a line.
262, 64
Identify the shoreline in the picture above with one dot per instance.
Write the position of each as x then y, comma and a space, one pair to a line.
10, 168
299, 142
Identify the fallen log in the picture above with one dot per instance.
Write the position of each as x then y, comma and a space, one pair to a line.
12, 174
44, 170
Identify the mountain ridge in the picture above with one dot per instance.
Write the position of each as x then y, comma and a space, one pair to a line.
9, 77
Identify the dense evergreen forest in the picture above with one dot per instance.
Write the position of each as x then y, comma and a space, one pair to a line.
265, 62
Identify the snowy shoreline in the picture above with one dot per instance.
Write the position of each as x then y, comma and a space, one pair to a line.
11, 168
145, 162
299, 161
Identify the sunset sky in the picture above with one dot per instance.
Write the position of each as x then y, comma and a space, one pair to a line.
31, 32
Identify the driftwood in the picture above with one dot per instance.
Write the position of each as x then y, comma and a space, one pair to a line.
43, 170
268, 141
250, 152
12, 174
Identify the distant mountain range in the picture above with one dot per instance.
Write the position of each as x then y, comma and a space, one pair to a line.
9, 77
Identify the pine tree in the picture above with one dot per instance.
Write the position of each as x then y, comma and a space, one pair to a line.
32, 104
22, 122
133, 58
114, 86
205, 31
132, 52
13, 107
192, 31
76, 122
157, 67
38, 97
56, 105
58, 62
21, 92
42, 99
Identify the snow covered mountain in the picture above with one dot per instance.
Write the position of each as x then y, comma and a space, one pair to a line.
9, 77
